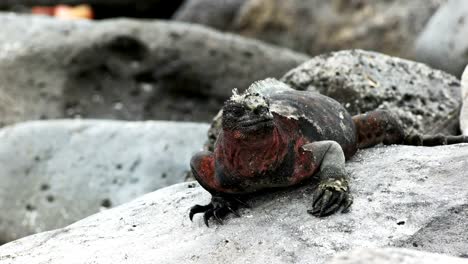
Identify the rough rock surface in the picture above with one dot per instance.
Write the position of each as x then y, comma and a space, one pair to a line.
446, 234
216, 14
464, 110
124, 69
393, 256
443, 43
398, 191
318, 26
427, 100
57, 172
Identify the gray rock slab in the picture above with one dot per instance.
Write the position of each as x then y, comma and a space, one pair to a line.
393, 256
317, 26
427, 100
57, 172
126, 69
398, 191
446, 234
443, 43
464, 110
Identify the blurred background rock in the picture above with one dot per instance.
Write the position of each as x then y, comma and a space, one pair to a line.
423, 30
317, 26
143, 70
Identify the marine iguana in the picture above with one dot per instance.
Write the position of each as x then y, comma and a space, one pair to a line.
274, 136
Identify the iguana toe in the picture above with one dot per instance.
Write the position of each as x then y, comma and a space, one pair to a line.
199, 209
207, 215
347, 203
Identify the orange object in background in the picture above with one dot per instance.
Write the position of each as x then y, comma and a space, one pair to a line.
77, 12
64, 11
43, 10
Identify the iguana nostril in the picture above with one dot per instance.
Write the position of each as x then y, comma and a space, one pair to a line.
260, 111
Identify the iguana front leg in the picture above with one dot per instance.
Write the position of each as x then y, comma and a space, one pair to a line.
332, 192
203, 169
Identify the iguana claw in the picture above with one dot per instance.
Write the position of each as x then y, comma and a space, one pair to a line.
329, 197
218, 209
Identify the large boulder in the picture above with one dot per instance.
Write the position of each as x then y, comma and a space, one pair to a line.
443, 43
125, 69
426, 100
317, 26
393, 256
57, 172
398, 191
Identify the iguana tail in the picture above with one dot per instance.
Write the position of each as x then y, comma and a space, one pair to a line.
375, 127
437, 140
382, 126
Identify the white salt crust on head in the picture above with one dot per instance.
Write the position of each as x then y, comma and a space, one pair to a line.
259, 87
253, 96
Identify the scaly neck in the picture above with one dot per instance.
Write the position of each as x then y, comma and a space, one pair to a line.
251, 154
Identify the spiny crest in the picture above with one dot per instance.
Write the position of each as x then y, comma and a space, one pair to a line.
236, 97
262, 87
269, 83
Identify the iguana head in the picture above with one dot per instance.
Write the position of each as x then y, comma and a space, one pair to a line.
247, 113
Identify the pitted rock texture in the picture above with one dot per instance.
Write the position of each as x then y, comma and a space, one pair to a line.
398, 191
443, 43
427, 100
124, 69
57, 172
317, 26
393, 256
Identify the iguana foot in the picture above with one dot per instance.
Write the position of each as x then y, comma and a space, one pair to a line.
330, 196
218, 208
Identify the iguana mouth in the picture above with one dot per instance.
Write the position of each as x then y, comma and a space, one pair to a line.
260, 122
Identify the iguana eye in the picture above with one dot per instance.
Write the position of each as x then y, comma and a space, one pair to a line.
237, 111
